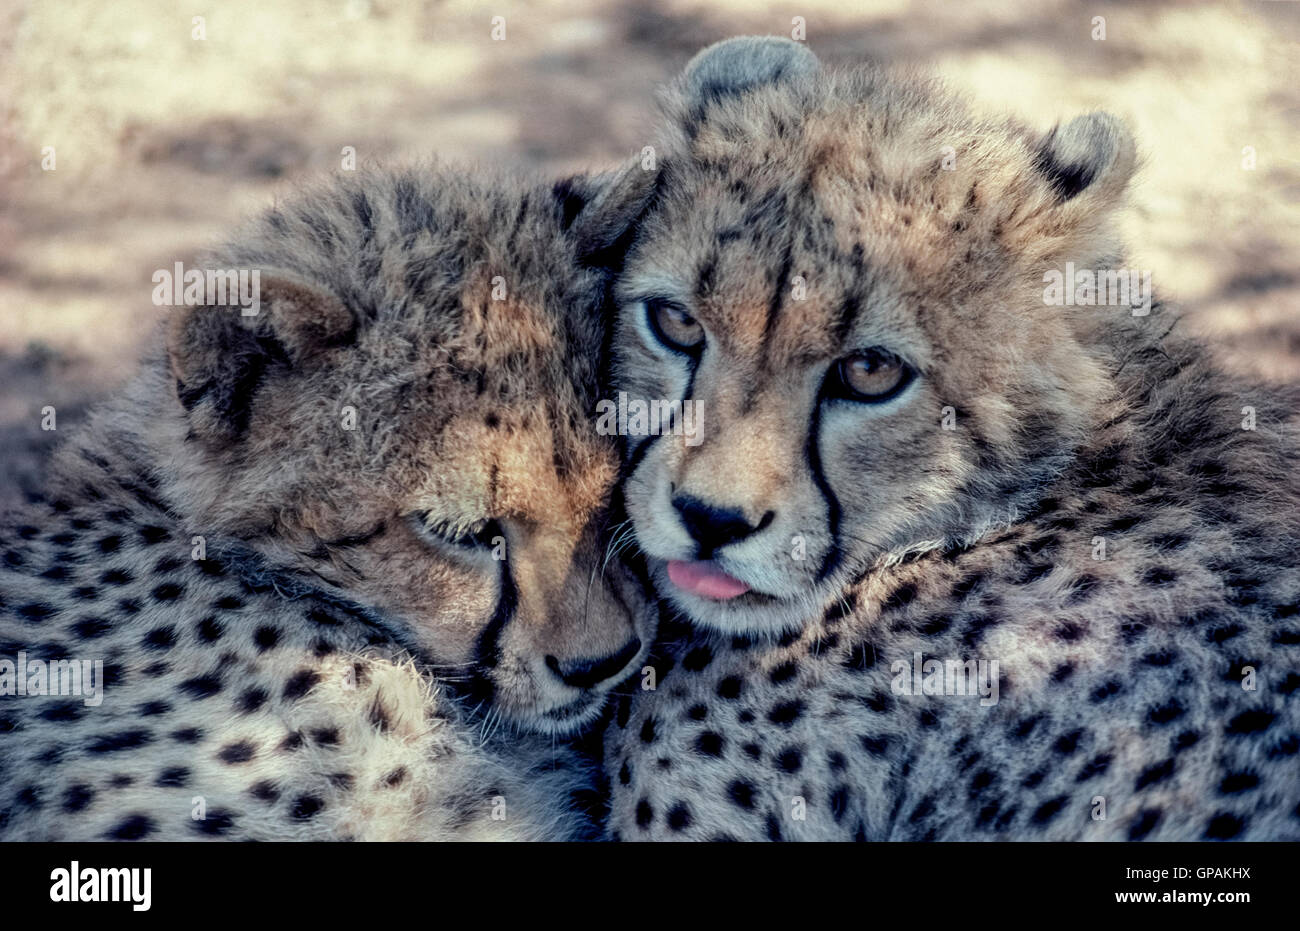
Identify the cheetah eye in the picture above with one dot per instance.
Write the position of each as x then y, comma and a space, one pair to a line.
674, 327
871, 376
479, 535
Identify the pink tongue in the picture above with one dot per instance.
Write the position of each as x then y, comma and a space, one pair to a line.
703, 579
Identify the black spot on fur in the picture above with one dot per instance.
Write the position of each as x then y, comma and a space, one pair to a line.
201, 687
120, 742
174, 777
1095, 767
210, 630
1250, 722
899, 598
134, 827
153, 534
63, 711
1238, 782
299, 684
160, 638
1224, 827
875, 746
679, 817
116, 577
1144, 823
305, 807
254, 697
1160, 575
1045, 812
89, 628
730, 688
264, 791
1163, 714
216, 823
1066, 744
326, 736
789, 760
35, 613
1155, 774
266, 637
77, 797
741, 794
239, 752
168, 591
1105, 691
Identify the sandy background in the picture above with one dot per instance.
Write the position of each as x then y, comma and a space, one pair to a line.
162, 141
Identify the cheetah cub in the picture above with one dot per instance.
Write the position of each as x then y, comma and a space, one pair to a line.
335, 569
964, 560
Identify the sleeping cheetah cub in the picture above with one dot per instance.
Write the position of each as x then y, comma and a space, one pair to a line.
1033, 568
336, 557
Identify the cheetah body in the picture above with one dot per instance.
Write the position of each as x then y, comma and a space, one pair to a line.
1112, 519
279, 541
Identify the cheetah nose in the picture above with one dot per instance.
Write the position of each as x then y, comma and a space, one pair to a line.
713, 527
587, 673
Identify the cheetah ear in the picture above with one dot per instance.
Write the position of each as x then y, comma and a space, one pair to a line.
220, 354
736, 65
1087, 162
600, 211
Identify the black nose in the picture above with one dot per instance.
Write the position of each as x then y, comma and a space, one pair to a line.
586, 673
713, 527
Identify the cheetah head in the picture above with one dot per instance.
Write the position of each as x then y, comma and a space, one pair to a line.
845, 273
406, 422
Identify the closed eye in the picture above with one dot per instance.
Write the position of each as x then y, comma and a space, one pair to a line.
477, 535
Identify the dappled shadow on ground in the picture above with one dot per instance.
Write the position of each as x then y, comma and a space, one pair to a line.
163, 141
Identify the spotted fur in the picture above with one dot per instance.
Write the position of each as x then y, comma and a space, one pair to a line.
336, 661
1112, 518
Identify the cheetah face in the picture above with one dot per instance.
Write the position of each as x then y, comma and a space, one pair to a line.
862, 329
406, 424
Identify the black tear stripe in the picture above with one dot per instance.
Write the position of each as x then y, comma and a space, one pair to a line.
812, 453
777, 301
487, 649
638, 452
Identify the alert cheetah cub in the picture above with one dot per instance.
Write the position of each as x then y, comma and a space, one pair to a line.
1032, 564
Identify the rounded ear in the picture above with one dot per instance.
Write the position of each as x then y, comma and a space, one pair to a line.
600, 211
735, 65
1089, 159
220, 353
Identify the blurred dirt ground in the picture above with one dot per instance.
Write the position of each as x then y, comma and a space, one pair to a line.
162, 141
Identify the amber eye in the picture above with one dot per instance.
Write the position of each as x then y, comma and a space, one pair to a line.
674, 327
871, 376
